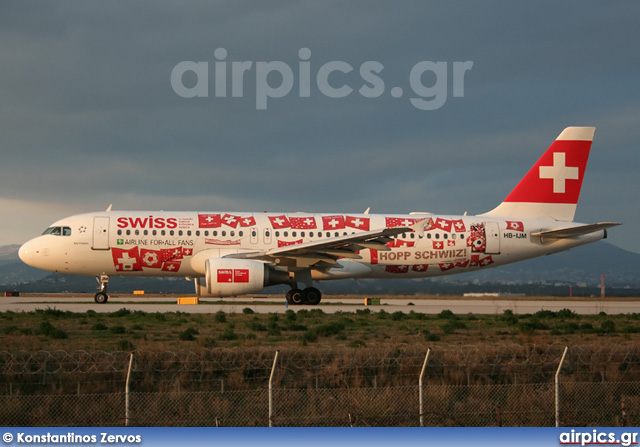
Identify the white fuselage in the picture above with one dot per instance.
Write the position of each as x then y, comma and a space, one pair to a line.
179, 243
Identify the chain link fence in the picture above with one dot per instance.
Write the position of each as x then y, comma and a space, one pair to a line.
509, 385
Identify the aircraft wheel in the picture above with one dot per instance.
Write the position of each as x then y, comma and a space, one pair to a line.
311, 296
294, 296
101, 298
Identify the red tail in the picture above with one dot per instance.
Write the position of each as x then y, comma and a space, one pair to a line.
551, 189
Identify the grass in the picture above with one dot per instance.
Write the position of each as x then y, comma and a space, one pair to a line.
53, 329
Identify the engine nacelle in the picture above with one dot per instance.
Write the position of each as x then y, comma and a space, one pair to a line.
231, 277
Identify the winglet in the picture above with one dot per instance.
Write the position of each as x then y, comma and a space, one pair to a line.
109, 207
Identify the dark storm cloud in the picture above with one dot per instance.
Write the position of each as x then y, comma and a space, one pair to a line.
88, 115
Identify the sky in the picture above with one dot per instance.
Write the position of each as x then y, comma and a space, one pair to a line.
89, 115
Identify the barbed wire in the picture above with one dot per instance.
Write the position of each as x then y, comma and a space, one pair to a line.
260, 361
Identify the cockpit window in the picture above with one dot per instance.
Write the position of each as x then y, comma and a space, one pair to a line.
58, 231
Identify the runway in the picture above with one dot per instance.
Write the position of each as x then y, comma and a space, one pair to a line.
329, 305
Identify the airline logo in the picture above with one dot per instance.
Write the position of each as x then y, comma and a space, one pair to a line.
278, 222
559, 172
126, 260
359, 223
233, 275
209, 220
230, 220
333, 222
137, 259
249, 221
303, 223
148, 222
557, 176
515, 225
288, 243
399, 222
458, 226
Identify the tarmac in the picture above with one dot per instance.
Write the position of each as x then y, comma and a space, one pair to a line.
277, 304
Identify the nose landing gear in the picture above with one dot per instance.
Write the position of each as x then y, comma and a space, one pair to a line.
101, 297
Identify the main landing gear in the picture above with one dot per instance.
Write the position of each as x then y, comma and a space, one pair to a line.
310, 295
101, 297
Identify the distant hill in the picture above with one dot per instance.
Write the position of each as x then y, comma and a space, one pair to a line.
13, 270
580, 267
582, 264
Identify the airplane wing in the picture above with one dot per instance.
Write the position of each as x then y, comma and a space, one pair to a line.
324, 253
564, 233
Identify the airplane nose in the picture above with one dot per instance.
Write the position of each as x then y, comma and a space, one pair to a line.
26, 253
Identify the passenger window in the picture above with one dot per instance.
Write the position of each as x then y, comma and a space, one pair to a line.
179, 232
137, 232
277, 234
171, 232
232, 233
293, 233
146, 232
446, 236
163, 232
188, 232
224, 233
119, 232
240, 233
154, 232
128, 232
286, 234
198, 233
206, 232
215, 233
253, 233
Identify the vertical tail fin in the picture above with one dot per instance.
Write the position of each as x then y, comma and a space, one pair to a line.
551, 189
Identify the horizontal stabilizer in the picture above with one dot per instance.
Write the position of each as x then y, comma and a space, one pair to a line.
564, 233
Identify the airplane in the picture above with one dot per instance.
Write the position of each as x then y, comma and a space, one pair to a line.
233, 253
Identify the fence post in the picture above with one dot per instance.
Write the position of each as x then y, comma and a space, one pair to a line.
126, 393
273, 369
424, 366
558, 386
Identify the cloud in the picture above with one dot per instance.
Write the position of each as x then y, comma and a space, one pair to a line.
89, 117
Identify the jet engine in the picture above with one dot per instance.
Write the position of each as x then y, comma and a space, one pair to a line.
231, 277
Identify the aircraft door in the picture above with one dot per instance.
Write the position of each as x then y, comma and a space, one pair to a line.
254, 235
100, 233
492, 233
